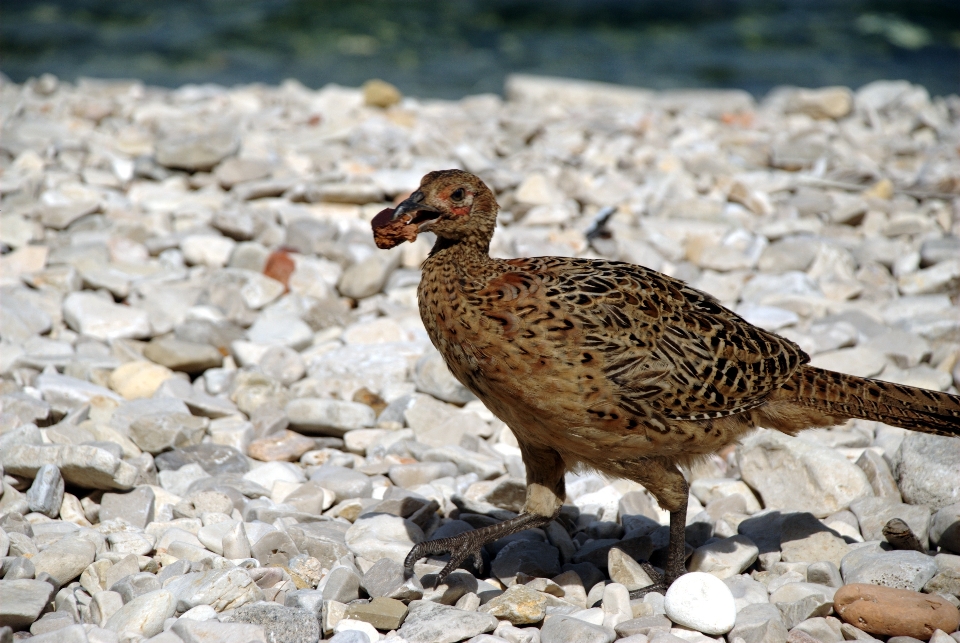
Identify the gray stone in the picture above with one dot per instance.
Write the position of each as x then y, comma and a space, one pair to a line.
387, 578
65, 559
19, 568
429, 622
344, 483
191, 631
793, 475
144, 615
878, 473
94, 316
342, 584
52, 622
927, 468
800, 601
315, 416
565, 629
179, 355
415, 474
434, 378
467, 461
45, 495
135, 507
85, 466
528, 557
65, 394
383, 536
135, 585
195, 151
220, 589
824, 573
803, 538
382, 613
746, 591
179, 481
367, 277
282, 364
215, 459
898, 569
70, 634
286, 624
759, 623
945, 528
321, 540
22, 601
874, 513
724, 558
274, 548
285, 330
156, 433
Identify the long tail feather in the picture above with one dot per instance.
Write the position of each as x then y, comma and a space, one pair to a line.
908, 407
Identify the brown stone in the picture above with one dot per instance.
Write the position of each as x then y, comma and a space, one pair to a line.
287, 446
894, 612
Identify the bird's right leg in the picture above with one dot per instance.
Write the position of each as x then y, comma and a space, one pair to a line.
545, 494
669, 487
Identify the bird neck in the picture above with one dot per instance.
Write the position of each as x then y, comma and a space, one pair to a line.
469, 256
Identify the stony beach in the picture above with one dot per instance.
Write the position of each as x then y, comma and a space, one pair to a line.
221, 419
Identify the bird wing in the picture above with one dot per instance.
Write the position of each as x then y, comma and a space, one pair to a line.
669, 350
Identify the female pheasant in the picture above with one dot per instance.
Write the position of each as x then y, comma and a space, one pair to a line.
612, 366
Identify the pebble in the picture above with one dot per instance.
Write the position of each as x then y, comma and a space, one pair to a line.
45, 494
220, 589
797, 476
382, 613
519, 604
895, 612
701, 602
724, 558
22, 601
564, 629
898, 569
925, 468
144, 615
428, 622
383, 536
287, 624
191, 631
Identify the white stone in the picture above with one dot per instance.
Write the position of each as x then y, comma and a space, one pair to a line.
724, 558
144, 615
93, 315
701, 602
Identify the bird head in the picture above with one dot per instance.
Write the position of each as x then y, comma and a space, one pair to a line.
453, 204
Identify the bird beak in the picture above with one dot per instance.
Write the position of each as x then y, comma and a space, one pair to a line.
413, 203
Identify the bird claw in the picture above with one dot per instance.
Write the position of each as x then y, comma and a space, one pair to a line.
460, 547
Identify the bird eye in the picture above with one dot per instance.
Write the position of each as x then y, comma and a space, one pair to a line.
457, 194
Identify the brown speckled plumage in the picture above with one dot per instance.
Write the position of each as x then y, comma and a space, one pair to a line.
616, 366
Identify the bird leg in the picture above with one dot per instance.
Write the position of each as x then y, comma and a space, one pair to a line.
545, 494
469, 543
676, 553
668, 486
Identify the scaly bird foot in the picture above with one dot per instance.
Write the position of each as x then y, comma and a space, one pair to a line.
460, 547
469, 543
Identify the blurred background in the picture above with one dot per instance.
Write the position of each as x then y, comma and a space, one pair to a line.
437, 48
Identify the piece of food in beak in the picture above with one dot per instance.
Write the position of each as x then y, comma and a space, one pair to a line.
389, 232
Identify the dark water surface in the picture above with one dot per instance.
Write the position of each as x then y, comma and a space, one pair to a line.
449, 49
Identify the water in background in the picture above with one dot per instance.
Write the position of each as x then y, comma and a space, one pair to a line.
456, 47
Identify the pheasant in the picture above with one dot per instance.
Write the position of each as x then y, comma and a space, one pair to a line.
612, 366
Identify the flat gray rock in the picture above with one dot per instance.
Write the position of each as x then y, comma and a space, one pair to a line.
899, 569
927, 470
21, 601
287, 624
565, 629
428, 622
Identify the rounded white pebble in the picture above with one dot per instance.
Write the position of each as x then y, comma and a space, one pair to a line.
701, 602
362, 626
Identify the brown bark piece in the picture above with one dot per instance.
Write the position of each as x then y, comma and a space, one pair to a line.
389, 233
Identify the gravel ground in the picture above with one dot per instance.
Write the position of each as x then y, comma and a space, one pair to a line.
221, 418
